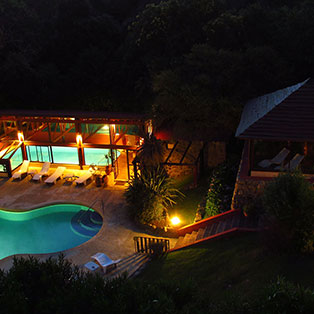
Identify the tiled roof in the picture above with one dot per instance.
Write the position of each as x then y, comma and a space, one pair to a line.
287, 114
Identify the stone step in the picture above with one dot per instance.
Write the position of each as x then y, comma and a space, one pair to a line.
129, 266
179, 242
187, 238
81, 224
193, 236
235, 221
200, 234
96, 218
221, 226
87, 223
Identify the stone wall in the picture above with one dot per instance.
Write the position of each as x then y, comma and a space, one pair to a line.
246, 191
180, 171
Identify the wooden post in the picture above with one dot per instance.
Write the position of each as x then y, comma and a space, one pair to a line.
305, 149
80, 149
20, 130
251, 156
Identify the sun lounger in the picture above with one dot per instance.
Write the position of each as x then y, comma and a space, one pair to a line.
106, 263
23, 170
277, 160
56, 175
43, 172
292, 164
84, 177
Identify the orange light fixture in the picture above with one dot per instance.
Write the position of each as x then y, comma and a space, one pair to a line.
175, 220
20, 136
79, 140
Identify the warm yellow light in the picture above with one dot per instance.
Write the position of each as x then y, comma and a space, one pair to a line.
105, 127
79, 140
175, 220
20, 136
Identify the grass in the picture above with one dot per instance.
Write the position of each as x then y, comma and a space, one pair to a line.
238, 266
186, 207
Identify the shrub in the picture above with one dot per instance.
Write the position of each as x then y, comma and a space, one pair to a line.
289, 205
149, 194
221, 188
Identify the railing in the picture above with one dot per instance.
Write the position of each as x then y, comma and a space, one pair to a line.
148, 245
203, 223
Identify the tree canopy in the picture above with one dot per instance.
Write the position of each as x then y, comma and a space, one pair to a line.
187, 62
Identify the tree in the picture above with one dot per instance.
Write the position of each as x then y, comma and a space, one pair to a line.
289, 205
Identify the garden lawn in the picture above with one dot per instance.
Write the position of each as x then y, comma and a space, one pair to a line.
186, 206
239, 266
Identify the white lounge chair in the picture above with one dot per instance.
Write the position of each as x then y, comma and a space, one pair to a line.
23, 170
43, 172
84, 178
106, 263
277, 160
56, 175
292, 164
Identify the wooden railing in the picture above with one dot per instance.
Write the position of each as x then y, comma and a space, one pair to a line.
148, 245
205, 222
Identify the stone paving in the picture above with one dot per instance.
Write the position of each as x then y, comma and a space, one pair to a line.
116, 235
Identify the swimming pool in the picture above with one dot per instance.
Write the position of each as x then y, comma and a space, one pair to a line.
47, 229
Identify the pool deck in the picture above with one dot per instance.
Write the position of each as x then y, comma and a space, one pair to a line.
116, 235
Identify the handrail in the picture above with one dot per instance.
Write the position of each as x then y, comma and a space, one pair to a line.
146, 244
195, 226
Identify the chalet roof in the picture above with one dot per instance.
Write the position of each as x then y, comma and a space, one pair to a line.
287, 114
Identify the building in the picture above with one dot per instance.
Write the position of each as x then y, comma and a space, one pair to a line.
282, 120
74, 139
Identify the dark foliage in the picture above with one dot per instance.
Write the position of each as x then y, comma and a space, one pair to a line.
289, 205
56, 286
221, 188
189, 62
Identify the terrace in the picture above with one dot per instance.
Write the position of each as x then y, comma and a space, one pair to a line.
115, 237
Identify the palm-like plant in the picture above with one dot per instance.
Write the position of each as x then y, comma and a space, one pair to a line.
149, 195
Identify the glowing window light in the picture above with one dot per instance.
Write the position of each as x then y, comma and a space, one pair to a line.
105, 127
175, 220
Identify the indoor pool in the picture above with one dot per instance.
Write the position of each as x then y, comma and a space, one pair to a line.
47, 229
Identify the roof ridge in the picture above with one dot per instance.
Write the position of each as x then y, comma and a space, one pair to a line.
258, 107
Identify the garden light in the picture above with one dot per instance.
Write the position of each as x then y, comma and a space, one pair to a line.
175, 220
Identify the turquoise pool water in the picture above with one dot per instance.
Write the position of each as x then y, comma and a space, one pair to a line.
44, 230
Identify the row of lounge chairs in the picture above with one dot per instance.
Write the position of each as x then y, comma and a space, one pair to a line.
52, 179
278, 161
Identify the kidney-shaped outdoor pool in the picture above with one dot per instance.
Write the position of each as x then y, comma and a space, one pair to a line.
47, 229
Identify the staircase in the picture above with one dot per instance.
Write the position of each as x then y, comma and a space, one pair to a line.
86, 223
217, 226
129, 266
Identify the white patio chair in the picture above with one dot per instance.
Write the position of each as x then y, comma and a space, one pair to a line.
106, 263
277, 160
84, 177
43, 172
292, 164
23, 170
56, 175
